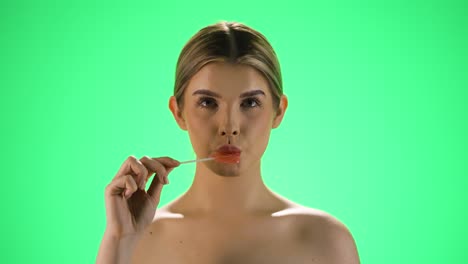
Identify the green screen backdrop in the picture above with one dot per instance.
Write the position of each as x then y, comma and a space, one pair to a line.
375, 134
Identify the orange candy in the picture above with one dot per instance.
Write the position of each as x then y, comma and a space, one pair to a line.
226, 158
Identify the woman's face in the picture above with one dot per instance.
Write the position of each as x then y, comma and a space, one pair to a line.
228, 104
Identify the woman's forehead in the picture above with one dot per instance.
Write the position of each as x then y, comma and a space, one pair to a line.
228, 79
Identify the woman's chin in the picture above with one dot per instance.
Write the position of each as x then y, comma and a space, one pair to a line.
225, 169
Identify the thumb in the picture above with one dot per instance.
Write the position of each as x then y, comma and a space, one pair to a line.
156, 186
154, 191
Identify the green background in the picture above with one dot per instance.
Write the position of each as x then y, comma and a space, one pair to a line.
375, 133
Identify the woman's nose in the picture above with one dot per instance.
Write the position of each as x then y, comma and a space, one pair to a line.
228, 132
229, 125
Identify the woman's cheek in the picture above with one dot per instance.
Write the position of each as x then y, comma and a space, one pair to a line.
199, 134
259, 131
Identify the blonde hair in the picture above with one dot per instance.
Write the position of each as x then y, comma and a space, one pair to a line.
231, 42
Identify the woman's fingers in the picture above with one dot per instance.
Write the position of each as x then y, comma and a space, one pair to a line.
154, 166
162, 166
126, 215
122, 184
169, 164
137, 172
133, 166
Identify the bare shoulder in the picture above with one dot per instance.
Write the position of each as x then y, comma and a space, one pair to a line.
323, 234
312, 219
162, 218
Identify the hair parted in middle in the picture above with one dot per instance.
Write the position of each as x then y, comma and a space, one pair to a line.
230, 42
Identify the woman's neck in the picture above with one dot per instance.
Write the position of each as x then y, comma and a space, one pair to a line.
215, 195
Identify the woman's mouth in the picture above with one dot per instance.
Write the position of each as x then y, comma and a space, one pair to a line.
227, 154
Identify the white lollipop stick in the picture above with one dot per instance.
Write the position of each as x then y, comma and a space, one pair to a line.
196, 160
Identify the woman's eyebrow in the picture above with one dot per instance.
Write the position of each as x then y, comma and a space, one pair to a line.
206, 92
252, 93
213, 94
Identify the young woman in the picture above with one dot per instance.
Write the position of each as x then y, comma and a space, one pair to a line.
228, 96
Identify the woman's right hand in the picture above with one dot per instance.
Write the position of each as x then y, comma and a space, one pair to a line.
129, 207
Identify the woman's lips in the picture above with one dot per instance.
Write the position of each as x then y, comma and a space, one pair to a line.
227, 154
228, 150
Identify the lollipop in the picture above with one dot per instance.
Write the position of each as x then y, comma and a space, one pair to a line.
231, 158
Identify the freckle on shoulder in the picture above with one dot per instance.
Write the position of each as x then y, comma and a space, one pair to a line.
160, 221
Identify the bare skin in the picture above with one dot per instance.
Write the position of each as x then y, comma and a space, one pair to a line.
228, 215
293, 235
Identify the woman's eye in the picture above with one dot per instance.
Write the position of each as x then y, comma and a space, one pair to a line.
251, 103
207, 103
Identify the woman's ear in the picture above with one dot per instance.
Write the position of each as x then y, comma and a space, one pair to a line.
283, 105
177, 113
